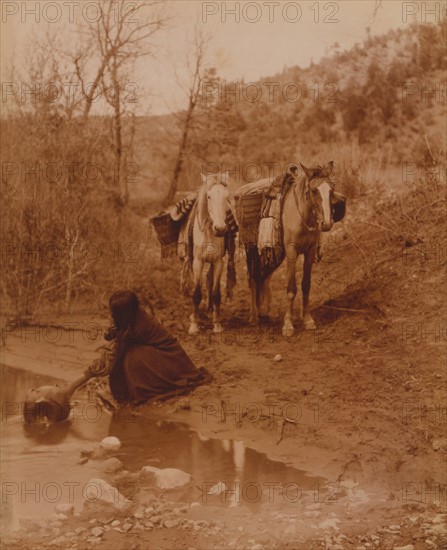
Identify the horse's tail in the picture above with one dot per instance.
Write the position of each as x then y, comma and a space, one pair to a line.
209, 286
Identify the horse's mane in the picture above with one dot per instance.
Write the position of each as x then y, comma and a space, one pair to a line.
317, 172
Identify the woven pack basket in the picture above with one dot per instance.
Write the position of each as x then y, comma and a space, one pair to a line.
167, 231
338, 207
248, 212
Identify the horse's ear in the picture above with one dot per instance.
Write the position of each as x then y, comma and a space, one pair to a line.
328, 169
307, 171
203, 178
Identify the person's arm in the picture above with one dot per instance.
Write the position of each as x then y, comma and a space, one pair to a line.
103, 365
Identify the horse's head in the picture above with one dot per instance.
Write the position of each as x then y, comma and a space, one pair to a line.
320, 190
216, 196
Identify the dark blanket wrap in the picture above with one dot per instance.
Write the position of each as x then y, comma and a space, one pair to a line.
149, 362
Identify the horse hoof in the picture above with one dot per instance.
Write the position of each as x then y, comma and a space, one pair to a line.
309, 324
253, 319
288, 330
218, 328
193, 329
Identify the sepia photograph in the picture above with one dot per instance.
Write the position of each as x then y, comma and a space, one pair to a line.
223, 276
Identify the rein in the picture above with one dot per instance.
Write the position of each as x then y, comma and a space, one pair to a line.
314, 212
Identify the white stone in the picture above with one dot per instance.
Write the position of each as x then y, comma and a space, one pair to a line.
111, 465
99, 491
218, 488
277, 358
171, 523
111, 443
97, 531
64, 508
329, 524
167, 478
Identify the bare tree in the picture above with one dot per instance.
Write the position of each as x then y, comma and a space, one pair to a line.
118, 41
196, 70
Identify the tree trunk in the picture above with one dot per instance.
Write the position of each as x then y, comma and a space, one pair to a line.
180, 157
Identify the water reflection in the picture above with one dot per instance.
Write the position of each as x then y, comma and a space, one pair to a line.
35, 457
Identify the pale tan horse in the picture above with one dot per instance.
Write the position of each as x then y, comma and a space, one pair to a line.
209, 228
306, 213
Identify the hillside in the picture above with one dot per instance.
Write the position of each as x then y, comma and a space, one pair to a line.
369, 108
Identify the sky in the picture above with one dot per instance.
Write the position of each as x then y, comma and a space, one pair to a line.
248, 39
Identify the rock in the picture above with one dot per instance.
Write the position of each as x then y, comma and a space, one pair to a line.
406, 547
148, 524
309, 514
167, 478
440, 518
111, 443
257, 547
111, 465
55, 524
105, 520
277, 358
64, 508
195, 504
329, 524
80, 530
149, 510
394, 527
59, 541
171, 523
138, 515
62, 517
439, 444
115, 523
218, 488
97, 531
156, 520
100, 492
439, 529
127, 527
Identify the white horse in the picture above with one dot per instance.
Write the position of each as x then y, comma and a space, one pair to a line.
209, 226
307, 211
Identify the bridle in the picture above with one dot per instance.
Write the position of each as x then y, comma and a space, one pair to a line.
207, 221
317, 222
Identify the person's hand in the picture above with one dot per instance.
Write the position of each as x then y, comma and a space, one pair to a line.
110, 333
97, 368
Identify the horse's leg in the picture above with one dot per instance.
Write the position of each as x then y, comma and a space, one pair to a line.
252, 257
197, 267
266, 297
254, 317
216, 296
210, 286
309, 258
288, 327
